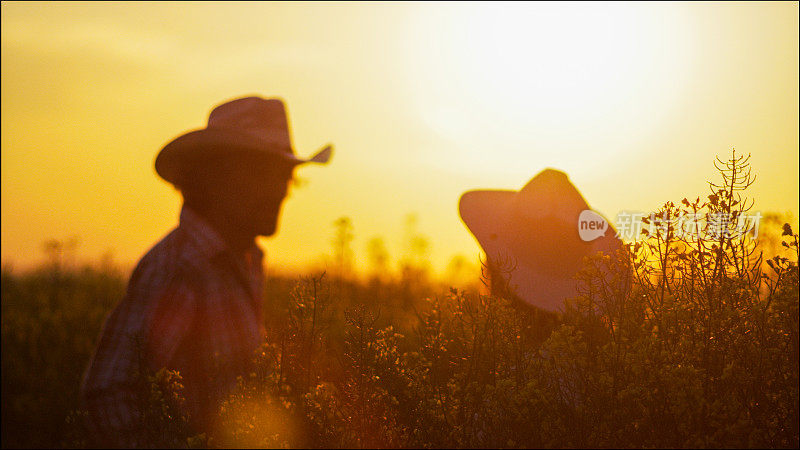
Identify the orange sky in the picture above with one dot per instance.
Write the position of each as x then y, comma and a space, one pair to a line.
423, 102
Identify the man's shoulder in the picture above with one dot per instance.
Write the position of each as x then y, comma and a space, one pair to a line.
172, 261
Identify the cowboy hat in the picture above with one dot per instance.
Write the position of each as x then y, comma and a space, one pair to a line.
534, 234
253, 125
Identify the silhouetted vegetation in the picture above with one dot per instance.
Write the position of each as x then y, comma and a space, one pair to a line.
676, 342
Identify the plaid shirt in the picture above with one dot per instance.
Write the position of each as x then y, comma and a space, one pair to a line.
191, 306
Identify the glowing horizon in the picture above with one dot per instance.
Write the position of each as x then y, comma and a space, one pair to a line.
423, 103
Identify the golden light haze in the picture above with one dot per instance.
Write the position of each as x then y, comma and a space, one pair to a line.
423, 102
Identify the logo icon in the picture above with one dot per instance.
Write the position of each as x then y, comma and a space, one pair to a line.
591, 225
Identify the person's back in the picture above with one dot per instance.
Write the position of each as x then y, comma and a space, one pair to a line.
190, 307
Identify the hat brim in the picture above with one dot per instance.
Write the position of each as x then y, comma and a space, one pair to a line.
542, 255
483, 212
210, 141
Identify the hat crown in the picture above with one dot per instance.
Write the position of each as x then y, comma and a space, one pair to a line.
261, 118
550, 194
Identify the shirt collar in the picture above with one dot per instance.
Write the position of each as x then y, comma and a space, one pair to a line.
206, 239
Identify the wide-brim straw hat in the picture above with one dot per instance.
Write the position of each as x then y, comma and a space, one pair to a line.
250, 125
533, 235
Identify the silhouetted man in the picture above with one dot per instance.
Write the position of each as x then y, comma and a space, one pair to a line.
194, 300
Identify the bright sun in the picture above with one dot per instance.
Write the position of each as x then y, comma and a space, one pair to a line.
543, 84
